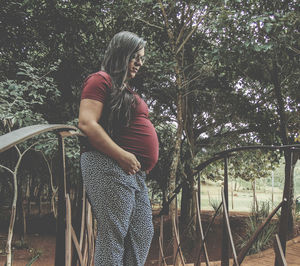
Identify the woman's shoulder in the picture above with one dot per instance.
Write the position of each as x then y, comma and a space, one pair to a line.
100, 76
96, 86
104, 75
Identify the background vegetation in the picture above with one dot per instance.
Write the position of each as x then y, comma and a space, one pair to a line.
219, 74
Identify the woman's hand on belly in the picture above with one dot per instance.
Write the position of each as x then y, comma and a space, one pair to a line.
89, 114
129, 163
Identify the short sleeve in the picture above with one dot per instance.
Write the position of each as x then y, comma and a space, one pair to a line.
96, 87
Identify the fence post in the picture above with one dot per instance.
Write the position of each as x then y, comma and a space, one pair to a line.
199, 191
285, 210
61, 206
225, 238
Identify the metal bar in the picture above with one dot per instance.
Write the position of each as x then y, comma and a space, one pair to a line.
61, 207
162, 261
242, 254
199, 191
82, 218
279, 252
68, 234
202, 244
225, 237
15, 137
212, 221
161, 237
90, 234
178, 243
77, 246
85, 251
176, 214
228, 229
285, 210
206, 233
220, 155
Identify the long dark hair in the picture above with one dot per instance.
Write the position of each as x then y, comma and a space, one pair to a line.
115, 62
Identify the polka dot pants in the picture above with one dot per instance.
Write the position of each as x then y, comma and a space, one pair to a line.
122, 208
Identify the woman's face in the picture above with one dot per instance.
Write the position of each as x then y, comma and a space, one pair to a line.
135, 63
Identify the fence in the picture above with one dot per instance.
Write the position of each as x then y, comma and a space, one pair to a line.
83, 239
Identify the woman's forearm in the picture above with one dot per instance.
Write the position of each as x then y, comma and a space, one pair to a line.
101, 140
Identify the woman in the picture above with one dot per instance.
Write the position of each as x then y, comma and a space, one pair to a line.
122, 145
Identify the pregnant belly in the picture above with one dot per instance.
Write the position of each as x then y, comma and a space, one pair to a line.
141, 139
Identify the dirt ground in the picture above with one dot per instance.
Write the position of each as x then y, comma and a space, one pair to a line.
39, 243
42, 246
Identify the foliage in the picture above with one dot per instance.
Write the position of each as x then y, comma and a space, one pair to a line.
22, 99
36, 253
236, 70
214, 203
265, 238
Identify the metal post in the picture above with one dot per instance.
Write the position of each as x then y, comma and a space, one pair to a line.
225, 237
161, 240
199, 191
61, 206
272, 189
285, 210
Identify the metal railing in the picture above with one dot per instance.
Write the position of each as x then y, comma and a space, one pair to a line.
84, 245
227, 239
65, 233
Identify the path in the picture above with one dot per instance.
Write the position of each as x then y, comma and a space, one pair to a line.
267, 257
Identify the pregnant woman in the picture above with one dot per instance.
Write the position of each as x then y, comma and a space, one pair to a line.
121, 146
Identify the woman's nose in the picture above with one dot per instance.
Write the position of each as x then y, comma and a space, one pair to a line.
138, 62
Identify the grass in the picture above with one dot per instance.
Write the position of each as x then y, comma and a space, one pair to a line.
36, 253
242, 199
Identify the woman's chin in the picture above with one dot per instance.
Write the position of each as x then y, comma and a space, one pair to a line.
131, 75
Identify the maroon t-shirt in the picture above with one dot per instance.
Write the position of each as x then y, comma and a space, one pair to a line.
139, 137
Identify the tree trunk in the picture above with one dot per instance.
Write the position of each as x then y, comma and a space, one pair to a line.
174, 166
283, 125
186, 209
187, 223
21, 213
12, 221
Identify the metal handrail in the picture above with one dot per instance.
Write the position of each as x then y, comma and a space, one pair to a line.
65, 231
225, 155
17, 136
229, 152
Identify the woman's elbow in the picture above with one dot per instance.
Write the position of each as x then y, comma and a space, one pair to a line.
83, 125
87, 126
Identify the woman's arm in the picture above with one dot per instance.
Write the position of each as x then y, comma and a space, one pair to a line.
89, 114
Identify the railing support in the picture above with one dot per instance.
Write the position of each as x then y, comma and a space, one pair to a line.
161, 259
285, 210
242, 254
61, 206
278, 252
202, 243
225, 237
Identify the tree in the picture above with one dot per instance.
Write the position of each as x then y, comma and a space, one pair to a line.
258, 43
18, 103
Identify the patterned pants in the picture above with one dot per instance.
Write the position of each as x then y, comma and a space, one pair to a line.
122, 208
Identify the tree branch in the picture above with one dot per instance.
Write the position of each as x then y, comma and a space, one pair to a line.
150, 24
191, 33
170, 34
6, 168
